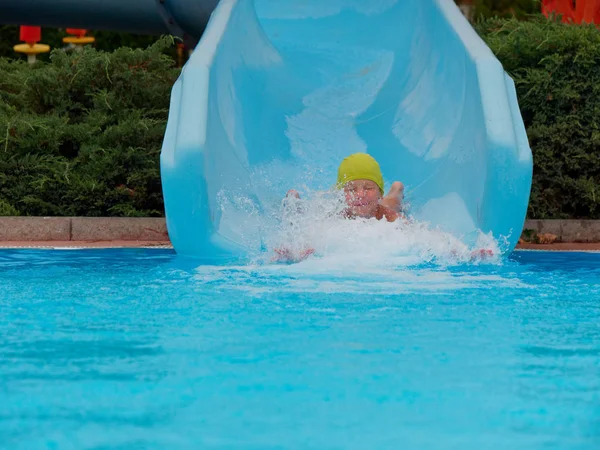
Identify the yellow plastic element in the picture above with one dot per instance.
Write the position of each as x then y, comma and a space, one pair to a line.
79, 40
31, 49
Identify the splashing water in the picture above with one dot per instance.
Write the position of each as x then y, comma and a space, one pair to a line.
315, 227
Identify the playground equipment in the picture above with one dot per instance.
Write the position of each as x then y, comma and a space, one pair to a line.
31, 36
183, 18
278, 92
78, 38
578, 11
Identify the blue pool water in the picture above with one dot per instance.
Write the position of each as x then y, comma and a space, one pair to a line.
141, 349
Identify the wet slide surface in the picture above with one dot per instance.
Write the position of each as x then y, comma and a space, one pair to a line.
277, 93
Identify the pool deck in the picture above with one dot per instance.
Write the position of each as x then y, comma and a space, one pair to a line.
563, 246
85, 244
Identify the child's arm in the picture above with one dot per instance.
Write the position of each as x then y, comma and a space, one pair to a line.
393, 200
481, 254
286, 255
387, 213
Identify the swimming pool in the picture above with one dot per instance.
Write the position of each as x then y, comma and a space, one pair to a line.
140, 348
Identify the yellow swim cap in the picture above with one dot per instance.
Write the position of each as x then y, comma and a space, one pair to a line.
360, 166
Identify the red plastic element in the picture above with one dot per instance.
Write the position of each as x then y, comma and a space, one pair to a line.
30, 35
575, 11
79, 32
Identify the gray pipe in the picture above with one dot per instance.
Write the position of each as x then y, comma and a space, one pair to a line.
183, 18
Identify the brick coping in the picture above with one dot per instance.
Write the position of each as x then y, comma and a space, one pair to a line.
112, 232
58, 245
79, 229
563, 247
84, 244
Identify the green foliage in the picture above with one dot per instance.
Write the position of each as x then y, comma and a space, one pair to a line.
556, 68
81, 135
6, 209
506, 8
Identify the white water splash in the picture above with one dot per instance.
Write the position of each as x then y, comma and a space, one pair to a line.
320, 276
355, 256
317, 223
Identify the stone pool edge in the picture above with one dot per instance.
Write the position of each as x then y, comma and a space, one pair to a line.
150, 232
58, 245
74, 245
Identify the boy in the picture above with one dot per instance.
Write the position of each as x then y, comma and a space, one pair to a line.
359, 175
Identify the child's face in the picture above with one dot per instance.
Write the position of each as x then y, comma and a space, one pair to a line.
362, 198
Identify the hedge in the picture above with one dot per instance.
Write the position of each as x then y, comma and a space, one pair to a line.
556, 68
81, 135
520, 9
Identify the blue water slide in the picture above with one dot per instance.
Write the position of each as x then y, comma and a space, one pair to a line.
277, 93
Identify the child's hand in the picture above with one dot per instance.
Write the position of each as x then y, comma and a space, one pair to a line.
393, 200
287, 255
481, 254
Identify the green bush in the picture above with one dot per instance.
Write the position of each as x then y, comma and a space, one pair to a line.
506, 8
81, 135
556, 68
